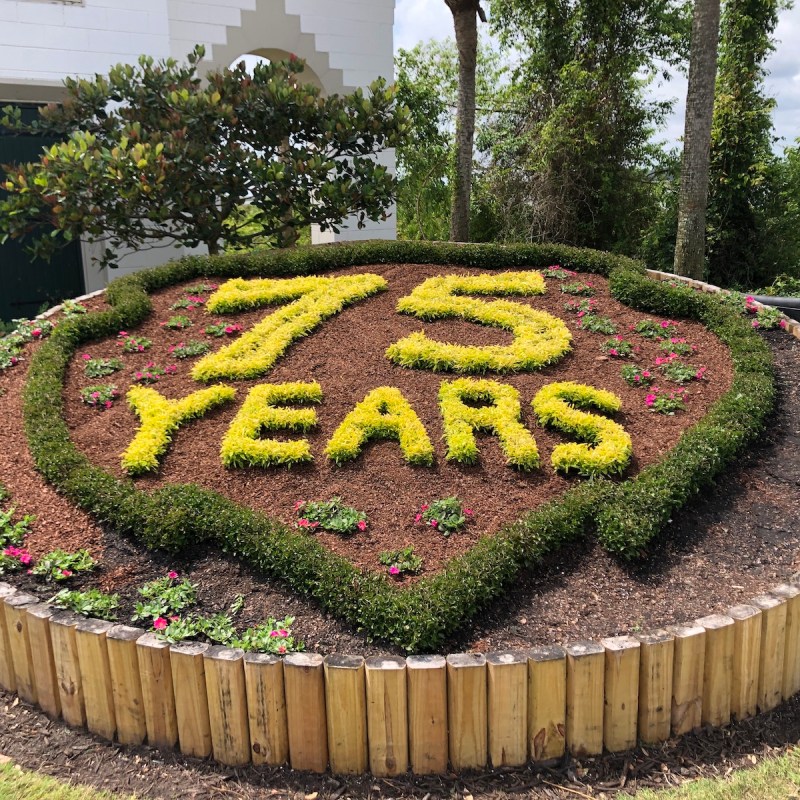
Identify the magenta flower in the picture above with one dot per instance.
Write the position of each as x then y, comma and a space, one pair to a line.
36, 333
756, 323
613, 351
273, 633
281, 648
283, 633
362, 525
649, 400
298, 505
172, 574
108, 404
303, 523
468, 512
782, 323
394, 570
434, 523
160, 623
418, 518
86, 357
66, 573
25, 558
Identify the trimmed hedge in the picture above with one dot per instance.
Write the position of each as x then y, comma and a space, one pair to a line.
420, 618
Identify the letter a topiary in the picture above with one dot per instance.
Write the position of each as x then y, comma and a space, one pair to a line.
313, 299
160, 418
539, 337
611, 448
500, 416
383, 414
260, 412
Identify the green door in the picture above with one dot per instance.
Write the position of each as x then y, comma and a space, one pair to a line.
27, 286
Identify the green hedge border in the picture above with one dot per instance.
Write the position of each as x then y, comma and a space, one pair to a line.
420, 618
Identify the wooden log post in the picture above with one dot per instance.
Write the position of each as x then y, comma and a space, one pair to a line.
266, 709
126, 685
14, 606
157, 691
346, 704
90, 639
621, 711
718, 669
585, 677
773, 649
227, 705
42, 661
68, 672
791, 657
7, 679
508, 708
466, 710
191, 699
547, 702
387, 715
307, 726
746, 657
687, 677
427, 714
656, 662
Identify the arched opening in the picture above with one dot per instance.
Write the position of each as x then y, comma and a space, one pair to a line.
275, 54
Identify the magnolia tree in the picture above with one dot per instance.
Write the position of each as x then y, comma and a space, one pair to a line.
153, 155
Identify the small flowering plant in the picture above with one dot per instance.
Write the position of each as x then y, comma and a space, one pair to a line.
13, 559
678, 346
201, 288
72, 308
618, 347
91, 603
165, 598
9, 354
101, 396
401, 562
587, 306
580, 288
152, 373
32, 330
595, 324
189, 349
651, 329
133, 344
765, 317
177, 322
189, 302
330, 515
223, 329
636, 376
13, 532
59, 565
101, 367
678, 372
557, 271
446, 515
273, 636
666, 402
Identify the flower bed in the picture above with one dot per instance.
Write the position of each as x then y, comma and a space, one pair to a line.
418, 616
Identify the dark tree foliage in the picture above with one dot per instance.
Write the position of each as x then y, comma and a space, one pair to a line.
743, 168
154, 154
575, 164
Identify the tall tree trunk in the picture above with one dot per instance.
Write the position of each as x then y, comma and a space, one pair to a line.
465, 13
690, 241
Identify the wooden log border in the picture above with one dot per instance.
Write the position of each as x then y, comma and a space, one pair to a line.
427, 713
510, 707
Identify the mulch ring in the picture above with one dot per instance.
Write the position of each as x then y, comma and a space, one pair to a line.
37, 743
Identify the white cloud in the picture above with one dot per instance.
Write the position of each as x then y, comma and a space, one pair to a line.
420, 20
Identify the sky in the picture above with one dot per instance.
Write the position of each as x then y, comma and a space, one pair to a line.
418, 20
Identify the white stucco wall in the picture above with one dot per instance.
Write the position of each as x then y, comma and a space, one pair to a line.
346, 43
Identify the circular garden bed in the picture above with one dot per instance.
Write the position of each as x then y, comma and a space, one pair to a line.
582, 406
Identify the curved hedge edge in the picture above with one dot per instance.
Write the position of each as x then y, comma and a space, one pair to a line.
643, 505
416, 619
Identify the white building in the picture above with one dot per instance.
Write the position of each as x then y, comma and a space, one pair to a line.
345, 43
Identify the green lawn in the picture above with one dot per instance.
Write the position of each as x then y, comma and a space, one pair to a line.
16, 784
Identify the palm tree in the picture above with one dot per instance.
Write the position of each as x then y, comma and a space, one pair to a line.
691, 237
465, 13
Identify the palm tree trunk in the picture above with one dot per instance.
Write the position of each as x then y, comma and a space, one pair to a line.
691, 237
465, 14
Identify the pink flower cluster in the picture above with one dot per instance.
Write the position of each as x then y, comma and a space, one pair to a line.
305, 523
130, 342
23, 556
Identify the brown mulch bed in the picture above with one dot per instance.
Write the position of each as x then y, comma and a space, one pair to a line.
726, 548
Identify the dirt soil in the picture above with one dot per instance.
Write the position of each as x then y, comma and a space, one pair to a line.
730, 545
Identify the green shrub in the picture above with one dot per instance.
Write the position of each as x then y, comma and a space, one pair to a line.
627, 516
